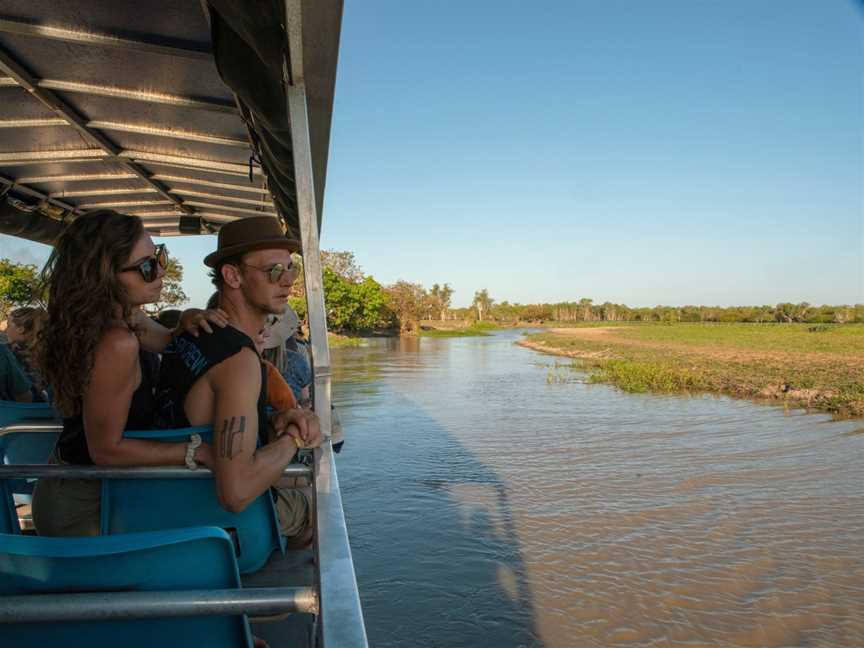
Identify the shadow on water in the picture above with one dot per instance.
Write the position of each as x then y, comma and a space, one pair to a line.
437, 556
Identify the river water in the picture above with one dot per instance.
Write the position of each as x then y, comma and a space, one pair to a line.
494, 500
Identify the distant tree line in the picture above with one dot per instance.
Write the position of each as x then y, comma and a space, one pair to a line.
585, 310
356, 303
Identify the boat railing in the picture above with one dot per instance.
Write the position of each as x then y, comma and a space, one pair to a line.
107, 606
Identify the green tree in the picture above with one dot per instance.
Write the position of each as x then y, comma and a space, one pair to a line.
339, 301
439, 299
374, 311
298, 305
343, 264
407, 301
352, 307
18, 285
482, 302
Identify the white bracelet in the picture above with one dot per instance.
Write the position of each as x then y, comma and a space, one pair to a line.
194, 442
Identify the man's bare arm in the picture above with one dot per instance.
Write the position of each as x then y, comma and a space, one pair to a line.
242, 472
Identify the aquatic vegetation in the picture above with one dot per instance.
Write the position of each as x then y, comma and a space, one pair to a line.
335, 341
475, 330
781, 363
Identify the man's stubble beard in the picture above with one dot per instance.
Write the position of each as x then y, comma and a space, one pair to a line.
265, 308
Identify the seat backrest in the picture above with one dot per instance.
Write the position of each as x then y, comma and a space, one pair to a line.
14, 412
27, 447
20, 447
183, 559
132, 505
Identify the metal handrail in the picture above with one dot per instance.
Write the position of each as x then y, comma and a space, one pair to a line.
104, 606
21, 471
32, 426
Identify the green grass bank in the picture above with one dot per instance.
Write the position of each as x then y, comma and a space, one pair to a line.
474, 330
801, 365
335, 341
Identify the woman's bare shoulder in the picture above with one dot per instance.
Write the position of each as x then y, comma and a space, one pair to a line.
118, 342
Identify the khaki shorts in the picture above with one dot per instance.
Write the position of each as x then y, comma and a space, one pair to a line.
294, 511
67, 507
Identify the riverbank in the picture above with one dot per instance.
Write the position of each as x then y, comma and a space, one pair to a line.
336, 341
446, 329
816, 367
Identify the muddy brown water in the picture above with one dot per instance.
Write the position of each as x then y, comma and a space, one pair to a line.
494, 500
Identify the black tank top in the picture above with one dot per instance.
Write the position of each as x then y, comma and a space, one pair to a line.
72, 444
186, 360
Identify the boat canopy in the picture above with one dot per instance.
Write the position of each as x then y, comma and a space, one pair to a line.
174, 111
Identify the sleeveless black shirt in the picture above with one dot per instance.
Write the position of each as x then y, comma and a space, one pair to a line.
72, 444
187, 359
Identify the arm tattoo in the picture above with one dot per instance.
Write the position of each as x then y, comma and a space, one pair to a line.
229, 434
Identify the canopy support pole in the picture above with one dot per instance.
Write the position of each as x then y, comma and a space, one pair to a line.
341, 616
308, 217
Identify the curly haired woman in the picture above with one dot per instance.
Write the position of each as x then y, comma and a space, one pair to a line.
96, 352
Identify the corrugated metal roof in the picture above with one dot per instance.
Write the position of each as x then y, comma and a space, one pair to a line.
121, 105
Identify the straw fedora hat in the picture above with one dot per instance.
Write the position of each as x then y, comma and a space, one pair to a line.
248, 234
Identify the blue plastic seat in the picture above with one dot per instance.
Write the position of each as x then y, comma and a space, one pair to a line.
26, 447
20, 447
133, 505
183, 559
15, 412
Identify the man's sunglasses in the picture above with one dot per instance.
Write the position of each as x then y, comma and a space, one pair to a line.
149, 267
274, 272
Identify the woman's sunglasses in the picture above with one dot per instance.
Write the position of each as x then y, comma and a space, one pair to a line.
275, 272
149, 267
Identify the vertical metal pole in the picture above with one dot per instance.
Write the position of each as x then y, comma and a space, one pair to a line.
341, 616
308, 216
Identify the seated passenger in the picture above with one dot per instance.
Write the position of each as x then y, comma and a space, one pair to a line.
219, 379
279, 394
22, 330
14, 383
92, 351
290, 356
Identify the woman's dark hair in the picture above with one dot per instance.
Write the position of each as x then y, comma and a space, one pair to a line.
80, 285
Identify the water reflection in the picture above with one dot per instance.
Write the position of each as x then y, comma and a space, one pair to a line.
488, 506
432, 536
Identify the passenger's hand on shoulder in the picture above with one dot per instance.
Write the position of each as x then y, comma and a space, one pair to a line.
195, 320
307, 424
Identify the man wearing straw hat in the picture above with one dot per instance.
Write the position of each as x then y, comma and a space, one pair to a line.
218, 379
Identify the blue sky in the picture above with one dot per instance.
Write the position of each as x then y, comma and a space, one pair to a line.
663, 152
